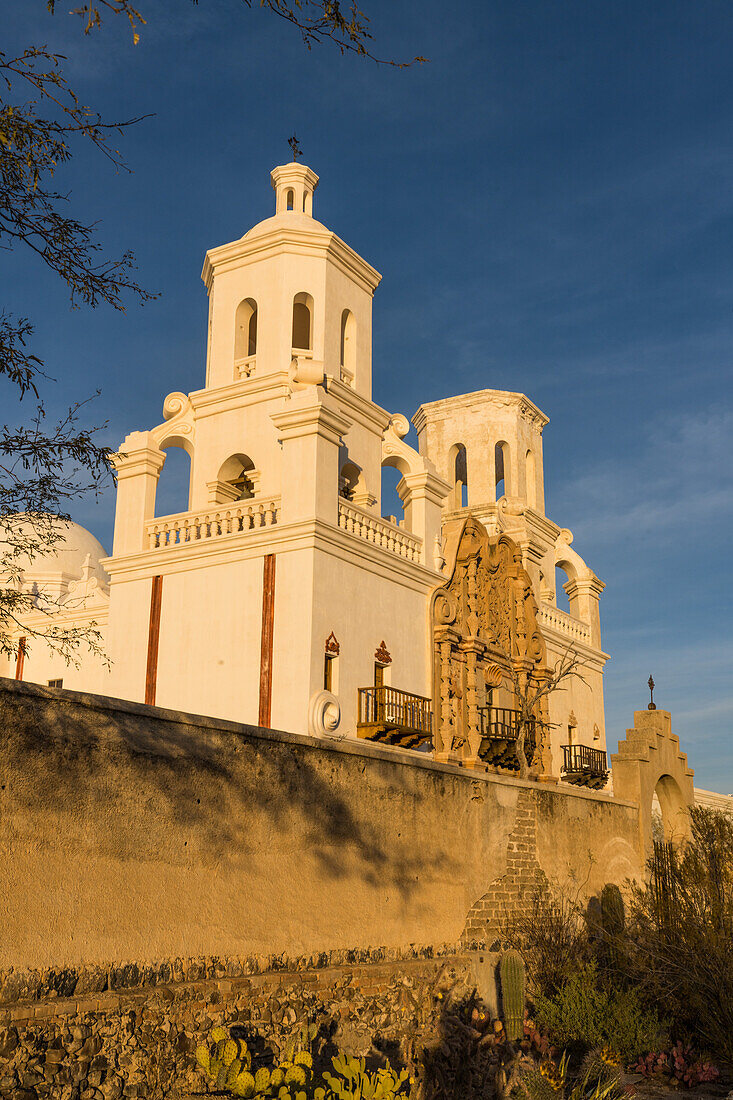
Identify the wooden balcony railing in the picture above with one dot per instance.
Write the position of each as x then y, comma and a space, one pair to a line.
394, 717
499, 728
584, 766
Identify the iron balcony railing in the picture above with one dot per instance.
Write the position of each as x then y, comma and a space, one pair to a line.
581, 762
500, 728
503, 724
386, 713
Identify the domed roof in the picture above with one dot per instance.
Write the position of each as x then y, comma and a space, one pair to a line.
69, 555
304, 223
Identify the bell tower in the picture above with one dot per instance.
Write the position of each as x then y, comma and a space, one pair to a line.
290, 299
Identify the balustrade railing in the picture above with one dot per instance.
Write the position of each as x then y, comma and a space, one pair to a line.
359, 522
555, 617
214, 523
245, 367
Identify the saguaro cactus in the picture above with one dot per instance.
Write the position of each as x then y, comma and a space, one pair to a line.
613, 919
511, 972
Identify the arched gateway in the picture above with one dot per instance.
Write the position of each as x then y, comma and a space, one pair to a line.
650, 762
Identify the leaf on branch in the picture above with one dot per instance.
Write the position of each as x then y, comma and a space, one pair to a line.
316, 20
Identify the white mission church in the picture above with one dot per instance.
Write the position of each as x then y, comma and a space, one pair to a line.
283, 596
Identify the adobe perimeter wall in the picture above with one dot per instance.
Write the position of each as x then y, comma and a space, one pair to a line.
138, 844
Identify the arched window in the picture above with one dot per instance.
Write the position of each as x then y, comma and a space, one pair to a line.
392, 507
290, 200
561, 597
302, 322
348, 346
351, 480
174, 484
530, 476
459, 474
245, 337
501, 466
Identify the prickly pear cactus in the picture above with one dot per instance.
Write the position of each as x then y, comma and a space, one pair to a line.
354, 1082
227, 1063
512, 975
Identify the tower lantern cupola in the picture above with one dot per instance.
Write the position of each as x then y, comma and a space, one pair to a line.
294, 185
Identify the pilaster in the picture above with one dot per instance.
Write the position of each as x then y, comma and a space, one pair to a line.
310, 431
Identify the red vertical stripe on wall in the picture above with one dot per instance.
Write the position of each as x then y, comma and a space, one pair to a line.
268, 620
151, 673
21, 660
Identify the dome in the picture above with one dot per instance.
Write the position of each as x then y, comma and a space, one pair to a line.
301, 222
69, 555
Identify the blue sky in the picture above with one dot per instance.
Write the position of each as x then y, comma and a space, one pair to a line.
550, 203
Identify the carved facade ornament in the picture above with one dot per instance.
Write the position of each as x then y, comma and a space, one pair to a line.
382, 654
332, 646
179, 424
485, 635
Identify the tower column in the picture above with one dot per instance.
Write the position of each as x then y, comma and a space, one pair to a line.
138, 466
422, 495
584, 594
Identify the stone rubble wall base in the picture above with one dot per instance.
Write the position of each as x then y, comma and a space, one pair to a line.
140, 1043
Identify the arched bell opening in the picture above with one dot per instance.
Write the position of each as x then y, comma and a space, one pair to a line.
237, 479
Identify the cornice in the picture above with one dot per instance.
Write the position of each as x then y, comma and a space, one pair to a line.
237, 395
361, 409
560, 641
285, 538
289, 239
98, 615
440, 410
296, 420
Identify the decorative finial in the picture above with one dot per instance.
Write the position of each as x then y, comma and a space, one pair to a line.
652, 705
295, 146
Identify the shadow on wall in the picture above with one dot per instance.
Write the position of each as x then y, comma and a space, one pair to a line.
131, 786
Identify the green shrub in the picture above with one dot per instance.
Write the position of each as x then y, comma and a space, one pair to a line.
584, 1014
679, 938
